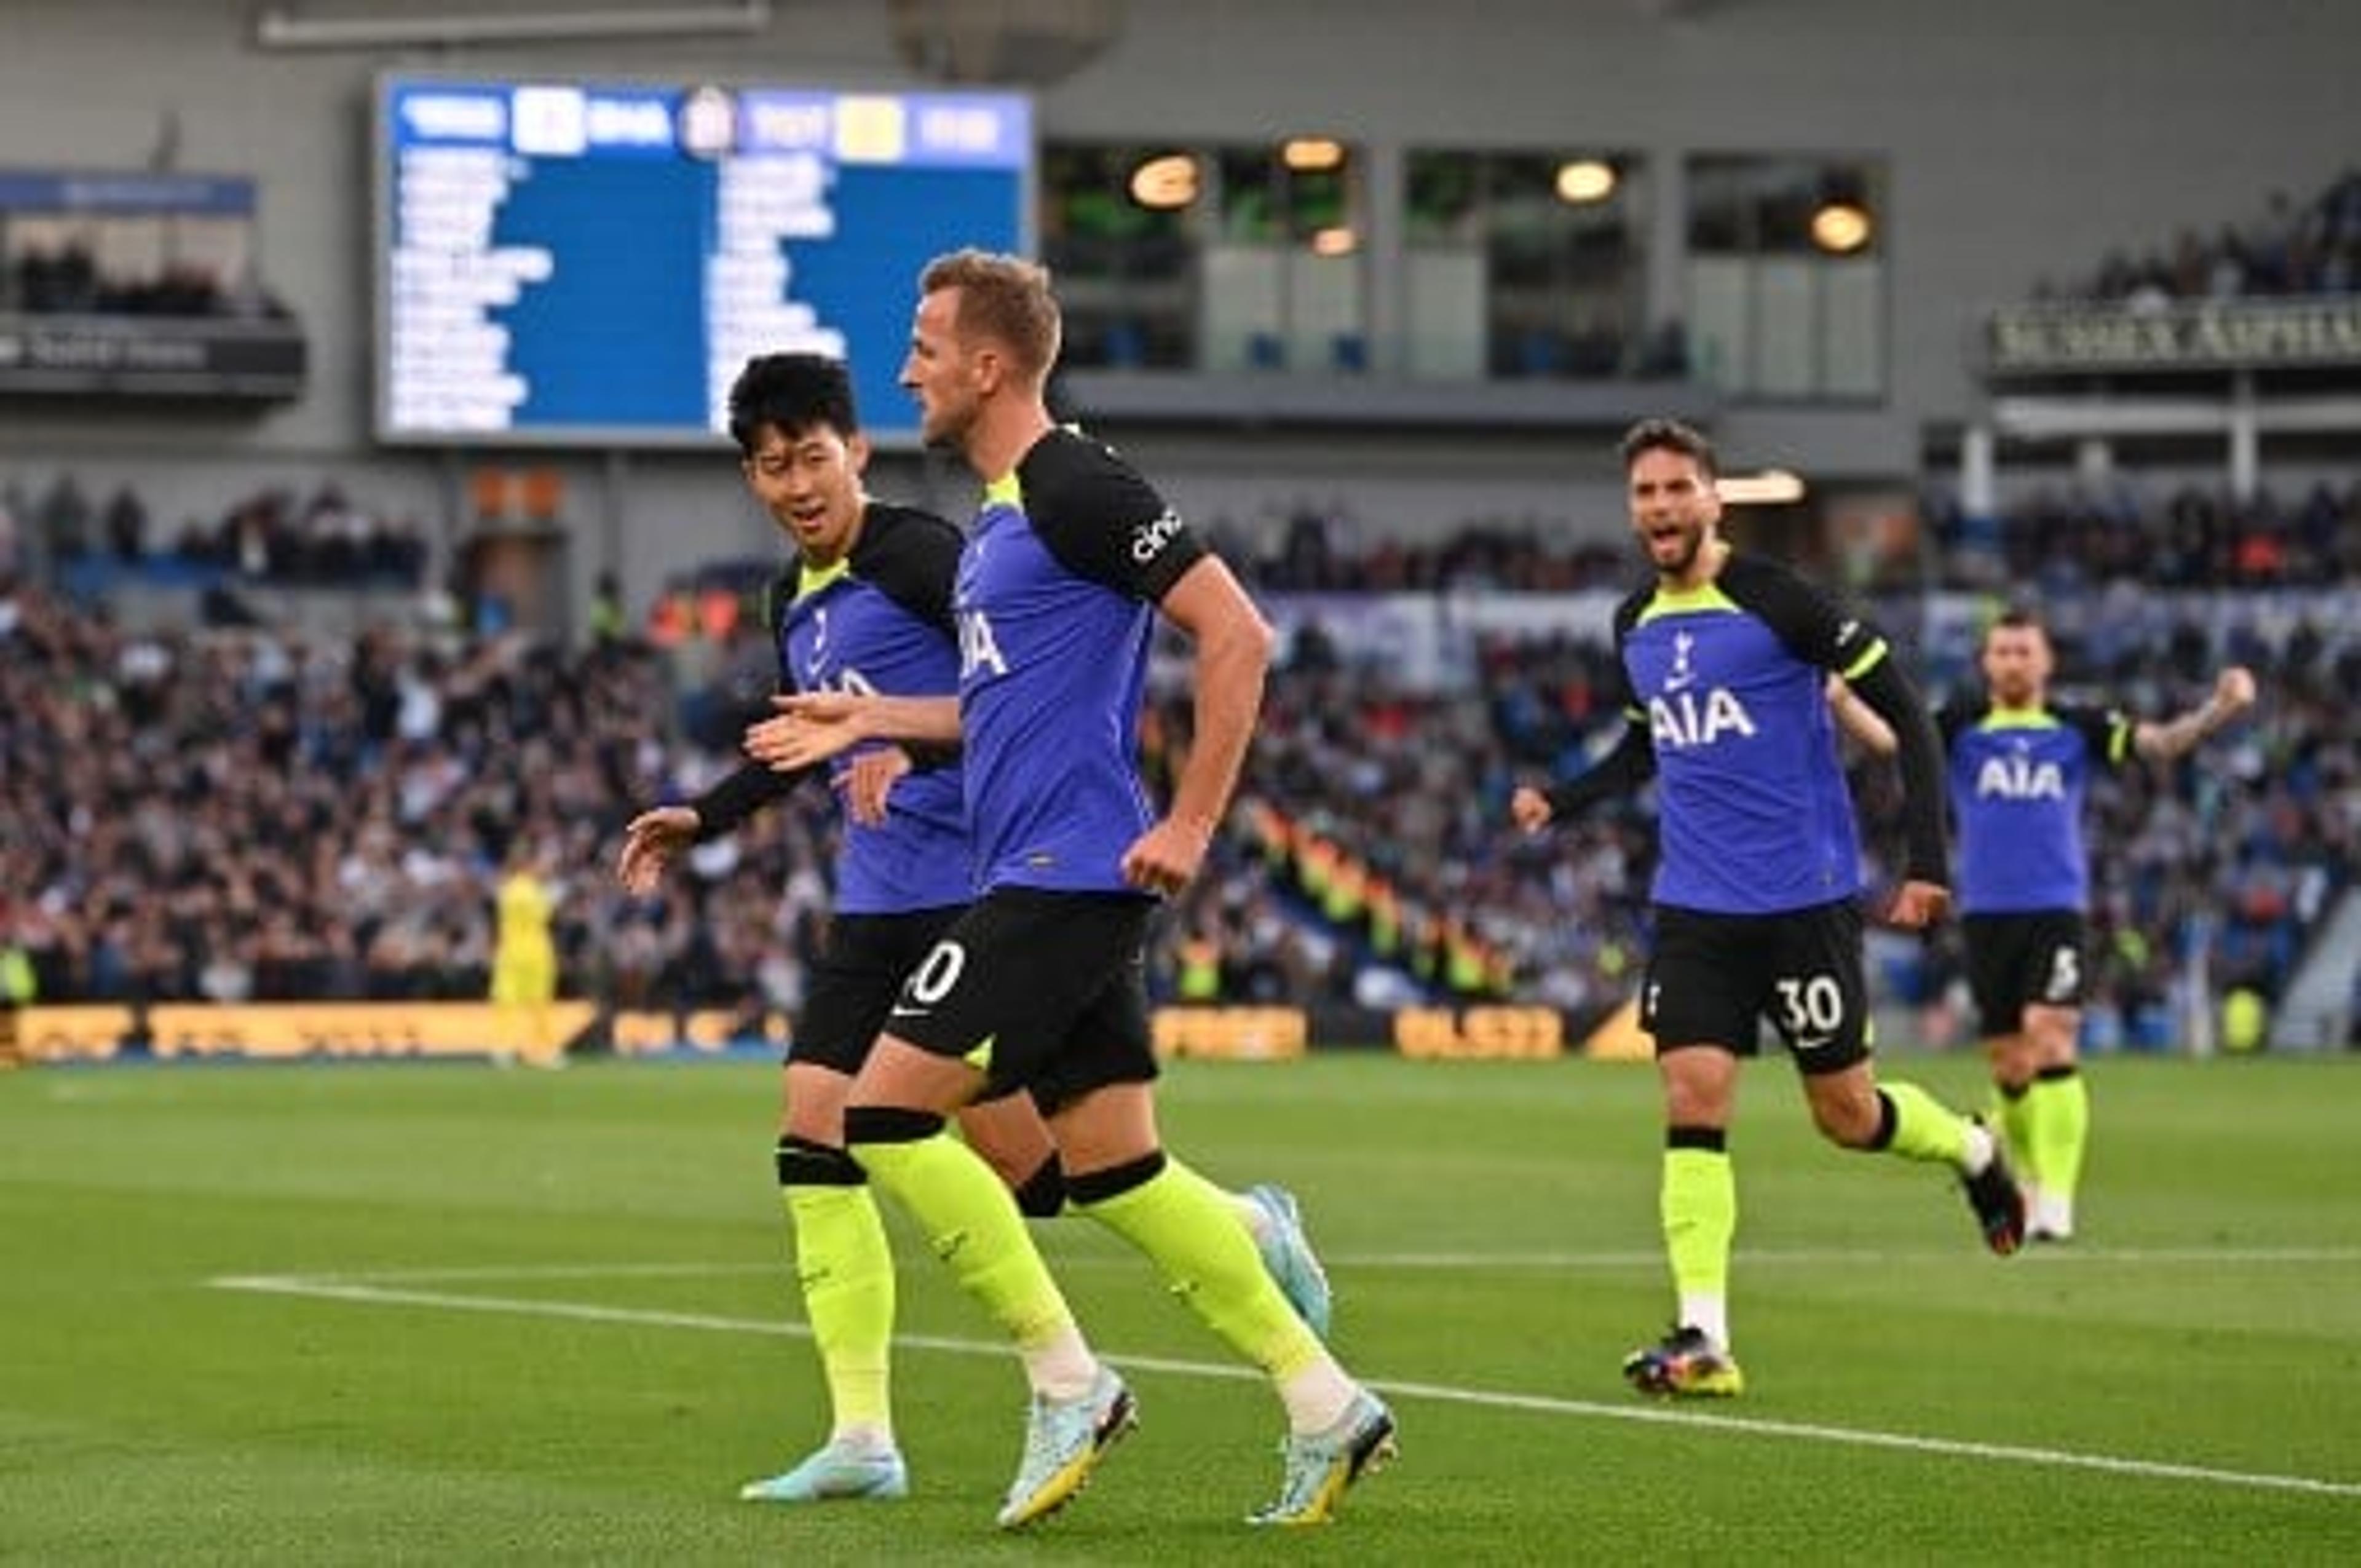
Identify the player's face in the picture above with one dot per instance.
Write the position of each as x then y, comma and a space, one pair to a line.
1673, 508
2016, 664
939, 372
809, 481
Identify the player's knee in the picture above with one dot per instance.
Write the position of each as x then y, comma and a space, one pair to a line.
888, 1125
2050, 1042
2014, 1058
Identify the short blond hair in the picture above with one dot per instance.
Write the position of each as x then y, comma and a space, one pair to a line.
1002, 297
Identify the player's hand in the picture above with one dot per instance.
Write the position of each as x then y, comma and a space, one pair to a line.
867, 779
651, 841
1531, 808
1919, 904
1167, 857
809, 726
2233, 691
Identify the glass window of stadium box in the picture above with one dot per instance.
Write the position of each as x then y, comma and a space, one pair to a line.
1117, 233
1786, 276
1223, 259
1523, 263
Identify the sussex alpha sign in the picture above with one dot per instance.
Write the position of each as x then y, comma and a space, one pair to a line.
2229, 334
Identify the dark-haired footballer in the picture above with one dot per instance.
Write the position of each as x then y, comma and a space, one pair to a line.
867, 607
1726, 658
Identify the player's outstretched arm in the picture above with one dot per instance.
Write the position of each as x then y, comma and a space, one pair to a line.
1529, 808
1921, 754
1631, 763
1918, 905
810, 727
651, 841
2233, 694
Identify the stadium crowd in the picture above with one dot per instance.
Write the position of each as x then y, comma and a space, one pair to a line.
237, 814
2294, 247
2065, 540
2057, 540
274, 535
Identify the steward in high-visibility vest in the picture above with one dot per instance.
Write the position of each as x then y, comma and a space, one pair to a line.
1200, 975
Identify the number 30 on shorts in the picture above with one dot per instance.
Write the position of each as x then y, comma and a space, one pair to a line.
1810, 1007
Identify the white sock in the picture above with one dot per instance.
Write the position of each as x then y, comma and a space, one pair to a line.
2053, 1212
1708, 1313
1062, 1367
1317, 1398
1981, 1147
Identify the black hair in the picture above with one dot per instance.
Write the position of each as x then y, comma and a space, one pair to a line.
792, 393
1670, 435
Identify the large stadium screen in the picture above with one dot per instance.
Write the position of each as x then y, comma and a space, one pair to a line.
591, 263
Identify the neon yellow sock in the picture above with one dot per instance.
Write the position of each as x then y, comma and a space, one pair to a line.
847, 1274
2062, 1126
1923, 1128
2013, 1118
1699, 1202
1189, 1229
974, 1225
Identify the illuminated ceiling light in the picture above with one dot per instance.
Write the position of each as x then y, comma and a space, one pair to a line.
1771, 487
1165, 183
1841, 227
1338, 241
1581, 180
1309, 155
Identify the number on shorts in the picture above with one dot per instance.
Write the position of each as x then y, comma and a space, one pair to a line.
932, 979
2065, 973
1816, 1005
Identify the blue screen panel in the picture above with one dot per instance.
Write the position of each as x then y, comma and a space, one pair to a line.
580, 263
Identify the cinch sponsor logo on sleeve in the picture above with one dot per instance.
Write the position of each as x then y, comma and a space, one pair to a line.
1149, 538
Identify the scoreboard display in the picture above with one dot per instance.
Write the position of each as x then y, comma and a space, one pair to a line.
585, 263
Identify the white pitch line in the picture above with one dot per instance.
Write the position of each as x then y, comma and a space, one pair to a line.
2045, 1257
1803, 1432
2042, 1257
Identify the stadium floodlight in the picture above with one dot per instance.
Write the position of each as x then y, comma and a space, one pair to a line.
1771, 487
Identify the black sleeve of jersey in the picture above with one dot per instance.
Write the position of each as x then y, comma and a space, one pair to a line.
721, 810
1102, 521
911, 557
1890, 694
1621, 771
1632, 762
1619, 686
1809, 620
1955, 717
2107, 731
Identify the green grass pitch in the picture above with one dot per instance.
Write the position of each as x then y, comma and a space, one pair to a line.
446, 1314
